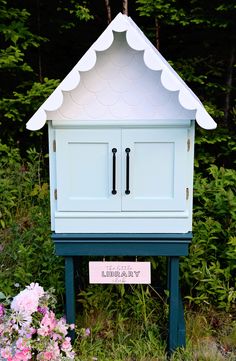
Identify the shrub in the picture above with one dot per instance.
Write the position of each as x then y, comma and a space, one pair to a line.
27, 252
208, 274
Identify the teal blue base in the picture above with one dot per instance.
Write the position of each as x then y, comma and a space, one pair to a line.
171, 245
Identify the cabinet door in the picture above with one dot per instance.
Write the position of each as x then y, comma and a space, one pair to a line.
157, 166
84, 167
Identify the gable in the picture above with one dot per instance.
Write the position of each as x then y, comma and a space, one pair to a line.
120, 86
122, 76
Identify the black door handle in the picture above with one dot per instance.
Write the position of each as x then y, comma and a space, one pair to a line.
127, 191
114, 150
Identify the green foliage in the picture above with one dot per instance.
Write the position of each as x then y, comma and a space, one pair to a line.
27, 252
11, 57
76, 10
21, 104
122, 302
127, 347
193, 12
28, 256
218, 147
10, 166
126, 323
167, 11
192, 35
18, 180
17, 36
210, 334
210, 270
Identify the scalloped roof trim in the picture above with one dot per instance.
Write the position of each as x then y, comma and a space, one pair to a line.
153, 60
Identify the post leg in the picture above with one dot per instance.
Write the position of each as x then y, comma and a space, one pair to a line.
181, 326
70, 292
173, 280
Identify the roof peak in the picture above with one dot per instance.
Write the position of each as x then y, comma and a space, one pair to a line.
153, 60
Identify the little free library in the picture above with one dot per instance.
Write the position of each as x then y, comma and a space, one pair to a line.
121, 153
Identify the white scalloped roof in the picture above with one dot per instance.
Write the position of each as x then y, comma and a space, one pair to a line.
122, 76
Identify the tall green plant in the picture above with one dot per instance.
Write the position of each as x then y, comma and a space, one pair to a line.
209, 273
27, 252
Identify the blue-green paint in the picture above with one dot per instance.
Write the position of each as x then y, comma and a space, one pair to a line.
171, 245
173, 276
122, 245
70, 292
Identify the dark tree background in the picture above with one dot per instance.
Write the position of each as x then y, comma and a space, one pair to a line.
42, 40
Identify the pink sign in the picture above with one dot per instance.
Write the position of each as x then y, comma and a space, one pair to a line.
120, 272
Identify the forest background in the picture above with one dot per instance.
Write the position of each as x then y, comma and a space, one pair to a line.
41, 41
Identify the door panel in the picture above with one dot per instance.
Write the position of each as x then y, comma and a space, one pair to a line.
156, 170
86, 157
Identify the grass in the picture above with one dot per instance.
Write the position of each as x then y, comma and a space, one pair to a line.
120, 333
203, 344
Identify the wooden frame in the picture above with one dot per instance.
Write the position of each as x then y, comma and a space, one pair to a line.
170, 245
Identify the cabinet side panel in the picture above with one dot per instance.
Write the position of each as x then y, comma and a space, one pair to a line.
52, 173
190, 167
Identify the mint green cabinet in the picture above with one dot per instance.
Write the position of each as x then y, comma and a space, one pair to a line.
116, 178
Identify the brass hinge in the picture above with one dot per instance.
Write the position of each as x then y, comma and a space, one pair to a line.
188, 145
54, 147
187, 193
55, 194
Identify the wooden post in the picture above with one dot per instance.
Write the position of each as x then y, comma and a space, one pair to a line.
173, 280
181, 325
70, 292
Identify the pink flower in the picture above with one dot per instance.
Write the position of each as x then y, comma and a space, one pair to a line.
70, 355
38, 290
52, 352
48, 355
42, 310
23, 355
2, 328
6, 352
87, 332
23, 336
2, 310
20, 343
55, 348
47, 324
62, 327
25, 302
66, 345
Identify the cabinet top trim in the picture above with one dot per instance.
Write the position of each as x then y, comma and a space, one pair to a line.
122, 123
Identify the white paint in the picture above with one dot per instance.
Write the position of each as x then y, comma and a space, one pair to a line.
167, 224
52, 173
157, 203
119, 272
157, 169
120, 63
84, 170
121, 94
140, 124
